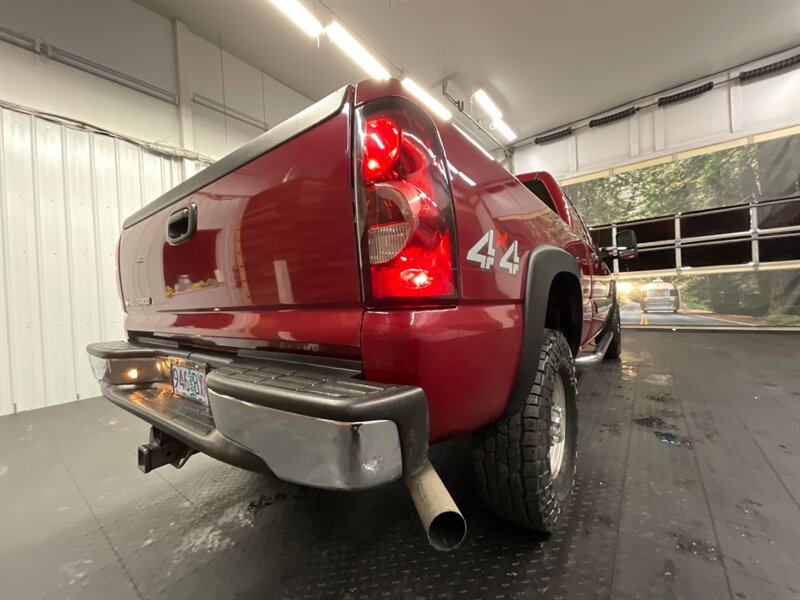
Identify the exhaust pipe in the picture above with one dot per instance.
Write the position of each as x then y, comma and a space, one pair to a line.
599, 352
440, 517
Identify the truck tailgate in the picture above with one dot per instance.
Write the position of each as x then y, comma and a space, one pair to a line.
271, 261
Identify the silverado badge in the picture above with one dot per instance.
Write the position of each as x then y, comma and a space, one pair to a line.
139, 302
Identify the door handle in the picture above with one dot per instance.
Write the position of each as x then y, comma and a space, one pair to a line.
182, 224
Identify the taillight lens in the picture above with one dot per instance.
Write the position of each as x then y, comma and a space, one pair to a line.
381, 147
405, 209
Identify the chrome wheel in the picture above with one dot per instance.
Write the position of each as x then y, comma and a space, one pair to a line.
558, 418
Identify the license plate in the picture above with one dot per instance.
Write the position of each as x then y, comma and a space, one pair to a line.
189, 381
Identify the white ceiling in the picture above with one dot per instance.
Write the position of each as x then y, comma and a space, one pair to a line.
544, 62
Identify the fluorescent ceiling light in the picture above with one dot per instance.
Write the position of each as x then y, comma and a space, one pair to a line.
356, 51
427, 99
473, 141
486, 103
504, 130
300, 16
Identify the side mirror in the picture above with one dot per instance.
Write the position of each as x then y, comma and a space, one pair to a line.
626, 245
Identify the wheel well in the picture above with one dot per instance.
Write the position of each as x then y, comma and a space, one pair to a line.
564, 312
553, 299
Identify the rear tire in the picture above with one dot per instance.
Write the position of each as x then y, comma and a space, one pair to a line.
525, 461
615, 327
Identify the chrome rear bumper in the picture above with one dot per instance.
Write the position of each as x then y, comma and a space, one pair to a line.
310, 450
311, 423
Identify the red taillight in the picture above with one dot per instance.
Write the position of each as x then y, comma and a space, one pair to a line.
381, 147
406, 214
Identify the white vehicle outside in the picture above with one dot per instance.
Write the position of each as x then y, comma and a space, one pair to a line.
659, 295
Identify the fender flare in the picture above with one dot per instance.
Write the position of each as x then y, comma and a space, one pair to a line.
543, 264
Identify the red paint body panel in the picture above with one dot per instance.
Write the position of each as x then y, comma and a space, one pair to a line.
599, 298
328, 331
275, 266
465, 358
275, 234
486, 196
597, 292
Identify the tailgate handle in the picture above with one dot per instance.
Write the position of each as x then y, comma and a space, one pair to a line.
182, 224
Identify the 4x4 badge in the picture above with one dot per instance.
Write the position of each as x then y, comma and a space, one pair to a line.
483, 252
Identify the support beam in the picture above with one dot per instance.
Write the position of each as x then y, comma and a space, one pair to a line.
184, 85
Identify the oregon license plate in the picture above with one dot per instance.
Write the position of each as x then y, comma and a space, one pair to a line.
189, 381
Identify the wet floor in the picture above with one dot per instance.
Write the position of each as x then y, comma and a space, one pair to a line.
688, 487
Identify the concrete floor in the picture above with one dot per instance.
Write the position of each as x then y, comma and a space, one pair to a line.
688, 487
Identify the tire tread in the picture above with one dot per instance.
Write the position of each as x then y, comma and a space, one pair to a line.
512, 454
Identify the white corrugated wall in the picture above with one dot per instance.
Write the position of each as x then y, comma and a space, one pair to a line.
64, 193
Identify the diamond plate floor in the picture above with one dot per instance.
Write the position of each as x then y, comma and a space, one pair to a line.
688, 487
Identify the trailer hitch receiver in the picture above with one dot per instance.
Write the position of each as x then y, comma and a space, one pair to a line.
163, 449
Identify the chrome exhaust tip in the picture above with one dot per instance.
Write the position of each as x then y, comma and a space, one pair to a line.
443, 522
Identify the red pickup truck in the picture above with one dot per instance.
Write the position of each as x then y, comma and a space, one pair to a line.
353, 285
